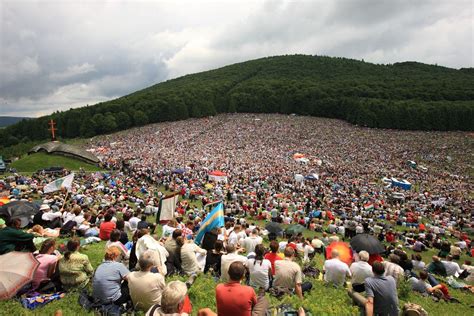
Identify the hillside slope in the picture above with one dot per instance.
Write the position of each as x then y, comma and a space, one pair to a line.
9, 120
406, 95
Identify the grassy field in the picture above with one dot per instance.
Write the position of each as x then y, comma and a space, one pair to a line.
322, 300
34, 162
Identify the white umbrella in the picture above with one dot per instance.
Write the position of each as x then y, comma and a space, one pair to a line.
16, 270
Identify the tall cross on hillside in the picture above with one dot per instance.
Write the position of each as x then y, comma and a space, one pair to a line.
52, 129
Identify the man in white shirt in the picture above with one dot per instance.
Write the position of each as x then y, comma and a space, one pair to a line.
335, 271
451, 267
227, 259
250, 242
52, 219
360, 271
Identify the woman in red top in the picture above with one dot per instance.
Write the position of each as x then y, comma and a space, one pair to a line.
273, 256
106, 227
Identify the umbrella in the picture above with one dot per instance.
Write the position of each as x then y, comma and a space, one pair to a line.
19, 209
368, 243
4, 200
274, 228
18, 269
208, 186
295, 229
345, 253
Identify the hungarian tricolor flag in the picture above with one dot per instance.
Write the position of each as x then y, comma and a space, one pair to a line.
368, 206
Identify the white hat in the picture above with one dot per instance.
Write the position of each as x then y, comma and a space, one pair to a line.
44, 207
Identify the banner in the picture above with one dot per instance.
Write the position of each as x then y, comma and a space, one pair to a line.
167, 207
58, 184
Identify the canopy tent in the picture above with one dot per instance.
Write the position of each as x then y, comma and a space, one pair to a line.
404, 184
218, 176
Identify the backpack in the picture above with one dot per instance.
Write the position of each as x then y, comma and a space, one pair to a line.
311, 272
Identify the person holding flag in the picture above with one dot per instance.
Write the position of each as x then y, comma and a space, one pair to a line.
214, 219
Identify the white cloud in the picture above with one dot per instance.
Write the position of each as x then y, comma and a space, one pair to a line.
57, 55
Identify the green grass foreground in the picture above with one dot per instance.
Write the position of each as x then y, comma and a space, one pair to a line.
322, 300
34, 162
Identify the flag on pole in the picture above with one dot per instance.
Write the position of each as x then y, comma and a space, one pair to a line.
213, 220
58, 184
167, 207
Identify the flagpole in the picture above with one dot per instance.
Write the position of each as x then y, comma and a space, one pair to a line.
65, 199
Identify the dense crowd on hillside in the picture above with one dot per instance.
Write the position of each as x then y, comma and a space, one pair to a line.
345, 196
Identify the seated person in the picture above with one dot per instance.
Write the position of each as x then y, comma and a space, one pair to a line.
114, 242
106, 227
436, 267
47, 270
51, 219
422, 285
188, 251
108, 286
260, 269
336, 271
235, 299
75, 269
145, 287
174, 301
288, 274
12, 238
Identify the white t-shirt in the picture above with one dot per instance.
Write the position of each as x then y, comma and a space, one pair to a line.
336, 271
259, 273
251, 242
360, 271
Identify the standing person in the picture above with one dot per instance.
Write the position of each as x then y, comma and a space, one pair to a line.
361, 270
75, 269
381, 292
288, 274
260, 269
213, 258
235, 299
336, 271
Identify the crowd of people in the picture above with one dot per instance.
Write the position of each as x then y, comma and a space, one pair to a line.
344, 197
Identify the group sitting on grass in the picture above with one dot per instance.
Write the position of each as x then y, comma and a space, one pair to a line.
133, 275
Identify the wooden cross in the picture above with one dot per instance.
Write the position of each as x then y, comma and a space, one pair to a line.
52, 129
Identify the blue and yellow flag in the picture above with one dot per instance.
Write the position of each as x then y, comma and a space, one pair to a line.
213, 220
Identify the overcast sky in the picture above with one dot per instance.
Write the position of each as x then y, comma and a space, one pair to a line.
55, 55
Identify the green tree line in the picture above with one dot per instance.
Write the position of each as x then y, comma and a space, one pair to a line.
406, 95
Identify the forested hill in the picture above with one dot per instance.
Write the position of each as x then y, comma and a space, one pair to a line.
406, 95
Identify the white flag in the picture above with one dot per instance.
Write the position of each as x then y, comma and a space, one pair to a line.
58, 184
167, 207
